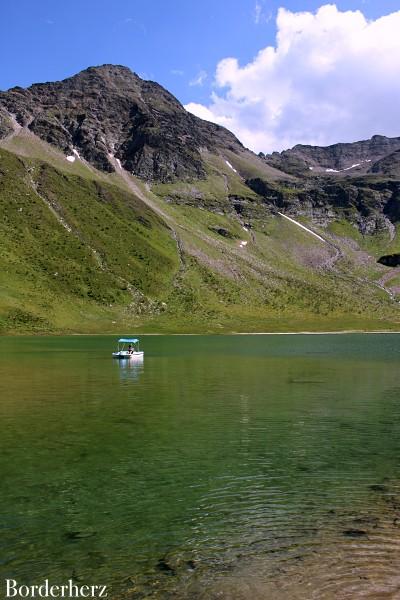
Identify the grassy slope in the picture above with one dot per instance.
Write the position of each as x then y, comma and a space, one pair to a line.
116, 253
265, 287
119, 267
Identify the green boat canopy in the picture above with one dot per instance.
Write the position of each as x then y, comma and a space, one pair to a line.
128, 340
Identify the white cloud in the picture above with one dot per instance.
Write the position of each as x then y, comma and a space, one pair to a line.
135, 24
257, 12
177, 72
146, 76
332, 76
259, 15
199, 79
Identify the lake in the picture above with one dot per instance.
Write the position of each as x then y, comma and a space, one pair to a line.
220, 466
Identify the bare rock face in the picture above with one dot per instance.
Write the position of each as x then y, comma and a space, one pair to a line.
108, 111
388, 165
5, 125
372, 205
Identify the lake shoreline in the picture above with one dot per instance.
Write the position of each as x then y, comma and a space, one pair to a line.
207, 333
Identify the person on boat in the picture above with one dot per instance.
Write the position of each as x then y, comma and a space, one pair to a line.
130, 349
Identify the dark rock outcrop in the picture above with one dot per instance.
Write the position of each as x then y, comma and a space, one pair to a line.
222, 231
390, 260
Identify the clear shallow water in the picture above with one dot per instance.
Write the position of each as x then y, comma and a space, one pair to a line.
215, 451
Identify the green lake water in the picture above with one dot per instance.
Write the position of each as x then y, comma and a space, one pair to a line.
213, 450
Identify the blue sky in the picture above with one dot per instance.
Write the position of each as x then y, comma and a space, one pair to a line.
170, 41
178, 43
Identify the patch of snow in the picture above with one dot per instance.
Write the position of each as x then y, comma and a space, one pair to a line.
119, 163
303, 227
243, 243
245, 228
347, 168
72, 157
230, 166
352, 167
311, 168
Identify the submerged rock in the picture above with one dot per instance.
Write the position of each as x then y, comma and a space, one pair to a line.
378, 487
79, 535
354, 532
163, 565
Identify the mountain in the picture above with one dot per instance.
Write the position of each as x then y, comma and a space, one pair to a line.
354, 159
123, 212
107, 113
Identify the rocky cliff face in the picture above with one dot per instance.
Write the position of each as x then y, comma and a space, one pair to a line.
107, 113
370, 205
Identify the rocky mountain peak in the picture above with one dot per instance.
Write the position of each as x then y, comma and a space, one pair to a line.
107, 113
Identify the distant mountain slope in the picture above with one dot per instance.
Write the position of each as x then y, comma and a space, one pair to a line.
358, 181
351, 159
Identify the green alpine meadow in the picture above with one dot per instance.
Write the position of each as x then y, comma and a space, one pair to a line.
122, 211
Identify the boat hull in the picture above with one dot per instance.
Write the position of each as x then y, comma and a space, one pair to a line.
125, 354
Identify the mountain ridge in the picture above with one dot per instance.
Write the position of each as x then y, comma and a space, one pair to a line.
351, 158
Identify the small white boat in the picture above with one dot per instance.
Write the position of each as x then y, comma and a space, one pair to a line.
132, 351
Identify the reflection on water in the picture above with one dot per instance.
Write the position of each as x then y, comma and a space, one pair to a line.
219, 458
130, 369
